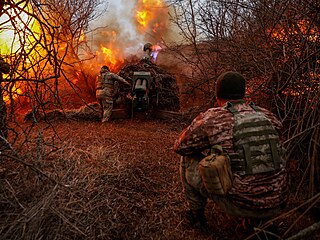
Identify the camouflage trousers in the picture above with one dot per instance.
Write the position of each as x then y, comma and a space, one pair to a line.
106, 110
197, 195
106, 103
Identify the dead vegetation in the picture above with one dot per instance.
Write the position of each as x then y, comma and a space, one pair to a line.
90, 111
83, 180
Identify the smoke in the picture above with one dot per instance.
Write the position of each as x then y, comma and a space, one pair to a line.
118, 29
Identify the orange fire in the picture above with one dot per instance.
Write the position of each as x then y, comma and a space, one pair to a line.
149, 14
10, 42
110, 54
301, 31
302, 28
14, 92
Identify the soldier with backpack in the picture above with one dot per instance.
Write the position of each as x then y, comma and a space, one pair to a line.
248, 136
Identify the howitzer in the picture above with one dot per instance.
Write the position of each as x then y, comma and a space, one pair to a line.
141, 87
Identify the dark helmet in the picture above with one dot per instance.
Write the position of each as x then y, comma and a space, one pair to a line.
230, 85
104, 69
147, 46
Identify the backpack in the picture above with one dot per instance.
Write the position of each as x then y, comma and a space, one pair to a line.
256, 143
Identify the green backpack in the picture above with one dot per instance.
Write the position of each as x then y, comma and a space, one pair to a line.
256, 143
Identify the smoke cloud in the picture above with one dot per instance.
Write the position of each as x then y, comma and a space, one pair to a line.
117, 27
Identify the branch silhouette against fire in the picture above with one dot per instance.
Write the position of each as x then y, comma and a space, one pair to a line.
56, 48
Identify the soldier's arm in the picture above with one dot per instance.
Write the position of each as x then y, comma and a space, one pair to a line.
193, 139
120, 79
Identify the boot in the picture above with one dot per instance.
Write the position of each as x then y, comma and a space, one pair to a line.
197, 219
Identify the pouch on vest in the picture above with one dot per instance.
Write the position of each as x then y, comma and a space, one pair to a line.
215, 171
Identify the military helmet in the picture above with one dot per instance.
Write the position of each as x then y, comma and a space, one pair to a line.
104, 69
147, 46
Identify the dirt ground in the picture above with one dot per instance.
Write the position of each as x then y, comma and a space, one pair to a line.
94, 181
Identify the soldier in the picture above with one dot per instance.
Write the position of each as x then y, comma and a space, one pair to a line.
215, 127
4, 68
147, 48
105, 91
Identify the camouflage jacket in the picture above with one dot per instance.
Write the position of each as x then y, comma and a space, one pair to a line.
215, 127
105, 85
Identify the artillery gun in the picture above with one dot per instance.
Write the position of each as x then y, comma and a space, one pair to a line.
152, 89
142, 90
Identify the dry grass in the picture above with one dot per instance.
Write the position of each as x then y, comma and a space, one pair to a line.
119, 181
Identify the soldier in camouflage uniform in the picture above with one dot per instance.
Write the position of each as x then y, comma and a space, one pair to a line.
215, 127
105, 91
4, 68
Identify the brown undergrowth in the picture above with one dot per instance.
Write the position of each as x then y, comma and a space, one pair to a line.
84, 180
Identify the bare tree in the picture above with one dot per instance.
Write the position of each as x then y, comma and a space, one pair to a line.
46, 51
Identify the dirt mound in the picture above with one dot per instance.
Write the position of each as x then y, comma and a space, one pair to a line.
91, 111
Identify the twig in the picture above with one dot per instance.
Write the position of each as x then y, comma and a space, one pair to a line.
33, 168
305, 232
284, 215
300, 133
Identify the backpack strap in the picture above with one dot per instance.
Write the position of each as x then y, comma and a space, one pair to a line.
254, 107
231, 108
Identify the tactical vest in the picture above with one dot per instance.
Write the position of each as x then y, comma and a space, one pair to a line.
256, 143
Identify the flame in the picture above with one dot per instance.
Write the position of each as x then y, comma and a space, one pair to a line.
142, 18
82, 37
110, 54
148, 14
15, 92
301, 31
10, 41
155, 49
302, 27
110, 58
110, 47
